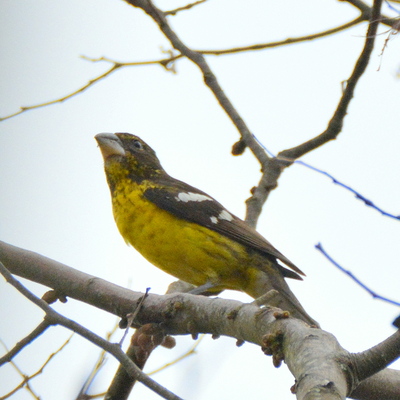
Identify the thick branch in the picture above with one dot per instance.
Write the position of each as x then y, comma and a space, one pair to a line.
317, 361
302, 347
383, 385
373, 360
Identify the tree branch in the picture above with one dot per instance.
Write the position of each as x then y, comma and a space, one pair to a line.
368, 10
116, 65
27, 378
187, 7
383, 385
209, 77
335, 125
24, 342
373, 360
354, 278
167, 63
361, 18
274, 167
302, 348
54, 318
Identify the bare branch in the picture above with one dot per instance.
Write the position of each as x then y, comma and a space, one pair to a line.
187, 7
368, 10
82, 395
27, 385
116, 65
288, 41
187, 354
358, 195
209, 77
355, 279
24, 342
275, 166
303, 349
26, 379
383, 385
373, 360
112, 348
61, 99
145, 339
168, 63
336, 123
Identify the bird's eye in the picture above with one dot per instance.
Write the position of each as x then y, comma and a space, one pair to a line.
137, 144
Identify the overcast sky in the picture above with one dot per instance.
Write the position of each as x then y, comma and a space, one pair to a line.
55, 200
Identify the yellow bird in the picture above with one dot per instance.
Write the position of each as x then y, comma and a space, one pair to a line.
187, 233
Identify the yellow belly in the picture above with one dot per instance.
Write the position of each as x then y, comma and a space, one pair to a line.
183, 249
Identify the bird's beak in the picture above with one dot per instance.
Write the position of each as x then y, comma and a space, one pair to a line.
110, 145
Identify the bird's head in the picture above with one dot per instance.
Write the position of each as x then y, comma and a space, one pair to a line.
127, 156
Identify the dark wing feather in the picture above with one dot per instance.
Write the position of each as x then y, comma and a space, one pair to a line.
205, 212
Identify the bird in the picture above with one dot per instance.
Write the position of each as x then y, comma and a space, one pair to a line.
187, 233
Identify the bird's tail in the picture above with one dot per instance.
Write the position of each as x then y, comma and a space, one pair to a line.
262, 283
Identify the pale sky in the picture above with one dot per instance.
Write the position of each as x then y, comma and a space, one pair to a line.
55, 200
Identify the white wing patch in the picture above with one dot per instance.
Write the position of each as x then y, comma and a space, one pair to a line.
225, 215
222, 215
198, 197
186, 197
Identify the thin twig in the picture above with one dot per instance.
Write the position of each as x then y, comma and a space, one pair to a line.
26, 379
143, 342
358, 195
168, 63
355, 279
187, 7
288, 41
27, 386
96, 369
24, 342
116, 65
132, 316
190, 352
68, 96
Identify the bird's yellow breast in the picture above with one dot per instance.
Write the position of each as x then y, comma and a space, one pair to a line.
181, 248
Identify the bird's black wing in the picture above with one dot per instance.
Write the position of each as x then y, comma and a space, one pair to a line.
191, 204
